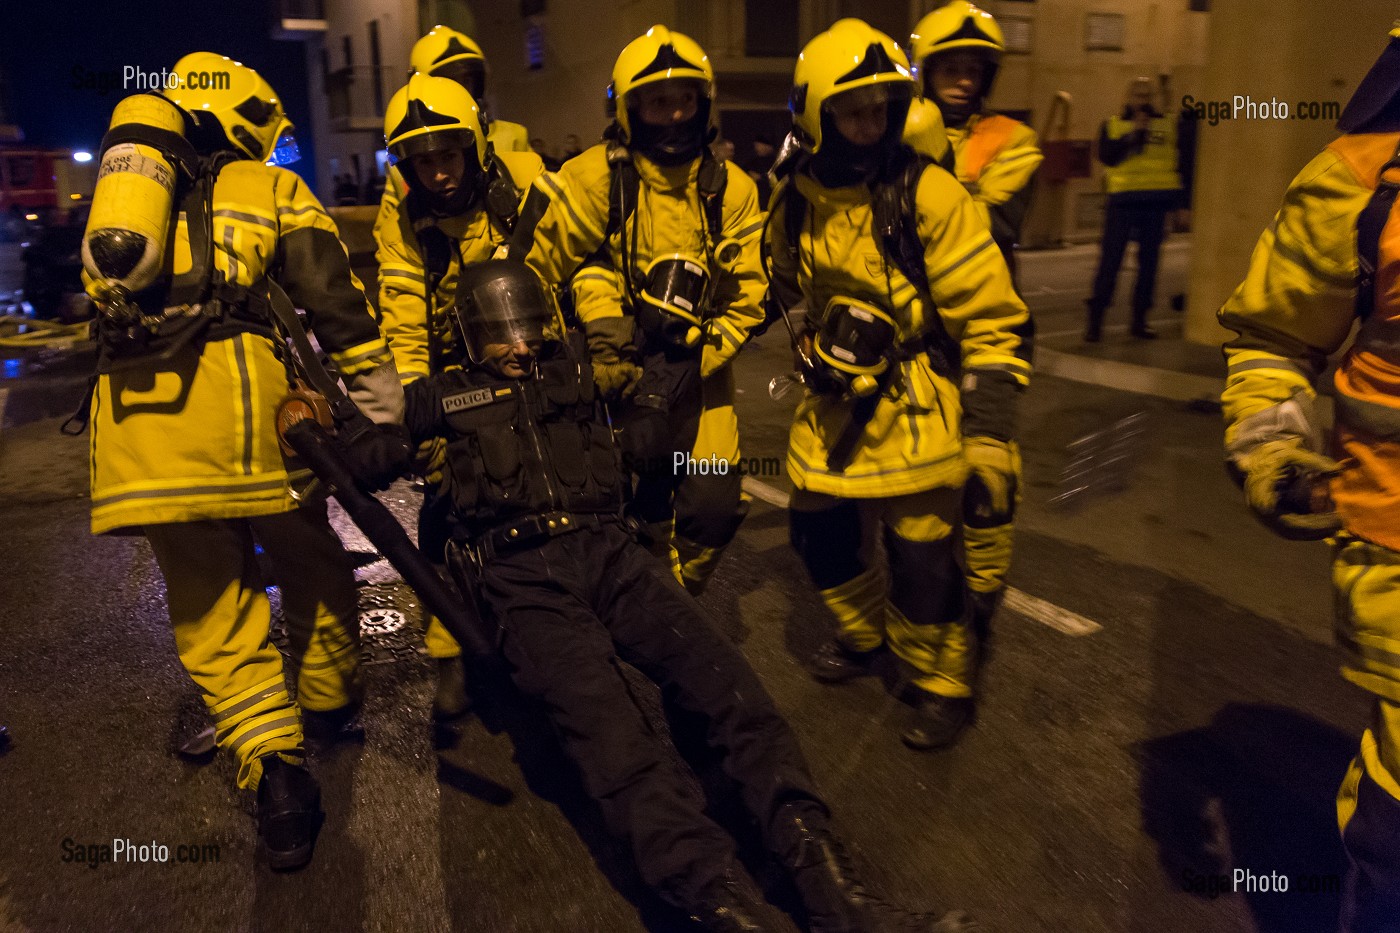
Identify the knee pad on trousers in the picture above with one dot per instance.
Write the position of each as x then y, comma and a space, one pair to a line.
828, 541
707, 508
926, 583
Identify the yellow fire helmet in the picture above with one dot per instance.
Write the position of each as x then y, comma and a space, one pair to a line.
959, 25
242, 102
446, 53
659, 55
849, 56
431, 115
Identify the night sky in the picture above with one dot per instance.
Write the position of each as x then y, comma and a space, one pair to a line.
54, 51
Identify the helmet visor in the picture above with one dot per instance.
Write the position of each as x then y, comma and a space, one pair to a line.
286, 151
440, 141
501, 302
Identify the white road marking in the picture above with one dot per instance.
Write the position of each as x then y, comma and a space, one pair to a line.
1128, 377
770, 494
1032, 607
1047, 613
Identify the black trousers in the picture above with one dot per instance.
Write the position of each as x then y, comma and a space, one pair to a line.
570, 611
1145, 222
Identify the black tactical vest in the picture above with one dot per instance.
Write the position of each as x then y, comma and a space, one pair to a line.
517, 448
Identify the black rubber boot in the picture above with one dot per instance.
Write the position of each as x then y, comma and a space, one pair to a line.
451, 700
938, 721
289, 813
324, 729
1140, 328
1093, 327
731, 904
832, 893
834, 663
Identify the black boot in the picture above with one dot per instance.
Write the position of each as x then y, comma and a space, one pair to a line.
1140, 328
324, 729
730, 904
832, 892
938, 721
1093, 327
451, 700
834, 663
289, 813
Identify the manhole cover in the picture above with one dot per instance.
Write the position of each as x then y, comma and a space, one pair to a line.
380, 621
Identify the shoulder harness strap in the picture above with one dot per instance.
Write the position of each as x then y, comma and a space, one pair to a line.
894, 221
1370, 224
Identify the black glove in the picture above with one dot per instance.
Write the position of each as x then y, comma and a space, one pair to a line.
377, 454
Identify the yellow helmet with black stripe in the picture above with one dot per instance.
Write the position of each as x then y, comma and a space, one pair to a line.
850, 56
446, 53
243, 103
432, 115
658, 55
958, 26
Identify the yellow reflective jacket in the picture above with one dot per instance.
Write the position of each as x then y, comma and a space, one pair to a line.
669, 218
1296, 306
913, 441
403, 305
995, 158
1152, 167
194, 438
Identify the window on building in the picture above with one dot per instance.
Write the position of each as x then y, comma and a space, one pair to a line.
770, 28
889, 16
348, 47
375, 66
1016, 31
534, 45
1200, 6
1104, 32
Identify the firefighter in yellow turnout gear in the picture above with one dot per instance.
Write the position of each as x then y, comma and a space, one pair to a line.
184, 447
446, 53
957, 50
462, 205
889, 436
1304, 292
673, 286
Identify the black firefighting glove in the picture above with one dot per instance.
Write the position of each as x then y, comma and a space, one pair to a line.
377, 454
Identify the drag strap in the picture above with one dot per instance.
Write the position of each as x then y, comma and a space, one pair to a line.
310, 362
1370, 224
78, 422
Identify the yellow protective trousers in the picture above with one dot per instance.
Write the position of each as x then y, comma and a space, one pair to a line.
222, 619
920, 609
1366, 578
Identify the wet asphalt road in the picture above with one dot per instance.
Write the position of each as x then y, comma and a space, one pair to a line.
1109, 781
